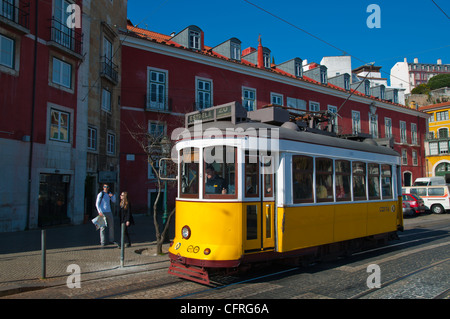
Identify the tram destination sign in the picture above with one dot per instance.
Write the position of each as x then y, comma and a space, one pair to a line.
230, 111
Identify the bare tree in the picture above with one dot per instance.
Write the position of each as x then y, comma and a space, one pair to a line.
150, 143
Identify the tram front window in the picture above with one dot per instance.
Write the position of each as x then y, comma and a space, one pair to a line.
220, 171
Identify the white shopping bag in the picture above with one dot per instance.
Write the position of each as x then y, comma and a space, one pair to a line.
99, 221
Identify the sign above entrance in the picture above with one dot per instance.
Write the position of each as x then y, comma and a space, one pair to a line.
107, 177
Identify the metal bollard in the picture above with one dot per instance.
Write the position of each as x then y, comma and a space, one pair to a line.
122, 246
44, 253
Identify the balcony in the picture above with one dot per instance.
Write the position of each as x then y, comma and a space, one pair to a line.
16, 14
66, 38
109, 70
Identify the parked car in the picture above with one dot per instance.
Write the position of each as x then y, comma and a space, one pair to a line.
415, 203
437, 198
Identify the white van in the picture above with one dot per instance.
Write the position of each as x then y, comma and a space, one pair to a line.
429, 181
435, 197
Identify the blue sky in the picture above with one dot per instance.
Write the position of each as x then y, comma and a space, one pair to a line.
409, 28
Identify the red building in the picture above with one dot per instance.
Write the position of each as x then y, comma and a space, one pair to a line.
166, 77
40, 55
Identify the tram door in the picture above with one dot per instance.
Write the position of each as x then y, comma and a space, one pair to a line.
259, 205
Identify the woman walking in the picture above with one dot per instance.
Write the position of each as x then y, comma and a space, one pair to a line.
126, 217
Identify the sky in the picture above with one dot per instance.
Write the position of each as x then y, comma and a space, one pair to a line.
312, 29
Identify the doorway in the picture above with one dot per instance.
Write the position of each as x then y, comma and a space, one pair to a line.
53, 195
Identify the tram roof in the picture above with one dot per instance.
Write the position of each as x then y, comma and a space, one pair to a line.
288, 132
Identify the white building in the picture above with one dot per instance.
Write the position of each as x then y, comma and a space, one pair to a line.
409, 75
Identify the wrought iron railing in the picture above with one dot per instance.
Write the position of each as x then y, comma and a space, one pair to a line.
109, 69
17, 12
66, 37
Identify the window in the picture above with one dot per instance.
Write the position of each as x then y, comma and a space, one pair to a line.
414, 133
302, 177
7, 9
324, 180
220, 172
374, 181
443, 132
276, 99
266, 57
333, 109
296, 103
194, 40
343, 192
61, 33
356, 122
189, 173
404, 157
204, 94
442, 116
443, 147
235, 51
323, 76
298, 69
387, 127
157, 87
106, 100
249, 99
434, 148
373, 118
251, 176
6, 51
359, 181
367, 87
59, 126
92, 139
414, 158
403, 138
436, 191
111, 144
386, 182
107, 50
62, 73
314, 106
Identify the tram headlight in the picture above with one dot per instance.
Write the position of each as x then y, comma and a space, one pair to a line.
207, 251
186, 232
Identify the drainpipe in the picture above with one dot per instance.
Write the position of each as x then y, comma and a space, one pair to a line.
33, 106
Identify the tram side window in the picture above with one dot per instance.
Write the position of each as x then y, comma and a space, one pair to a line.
374, 181
251, 176
343, 192
386, 181
220, 171
302, 173
359, 181
324, 180
189, 173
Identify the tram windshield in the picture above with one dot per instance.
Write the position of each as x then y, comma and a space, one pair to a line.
220, 171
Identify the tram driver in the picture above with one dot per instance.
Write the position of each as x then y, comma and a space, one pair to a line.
214, 183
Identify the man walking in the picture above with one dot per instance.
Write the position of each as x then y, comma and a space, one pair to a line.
103, 204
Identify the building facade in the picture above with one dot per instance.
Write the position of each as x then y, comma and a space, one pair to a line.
39, 85
101, 96
172, 75
437, 140
58, 126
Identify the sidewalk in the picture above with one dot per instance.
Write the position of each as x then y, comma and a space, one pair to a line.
21, 261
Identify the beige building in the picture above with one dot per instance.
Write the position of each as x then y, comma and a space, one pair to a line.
101, 95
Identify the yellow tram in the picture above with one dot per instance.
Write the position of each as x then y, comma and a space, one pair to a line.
259, 186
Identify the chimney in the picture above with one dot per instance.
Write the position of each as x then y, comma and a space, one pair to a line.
248, 51
416, 60
406, 60
260, 54
439, 61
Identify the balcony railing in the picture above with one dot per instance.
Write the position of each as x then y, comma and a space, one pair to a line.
18, 14
66, 37
109, 69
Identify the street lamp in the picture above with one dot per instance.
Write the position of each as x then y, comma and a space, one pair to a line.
165, 150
